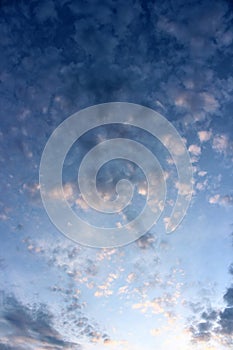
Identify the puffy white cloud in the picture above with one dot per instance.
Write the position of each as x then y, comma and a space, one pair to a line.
221, 200
210, 103
173, 143
220, 143
195, 149
202, 173
131, 277
214, 199
81, 203
184, 189
204, 135
67, 192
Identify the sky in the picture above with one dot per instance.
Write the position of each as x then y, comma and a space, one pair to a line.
162, 290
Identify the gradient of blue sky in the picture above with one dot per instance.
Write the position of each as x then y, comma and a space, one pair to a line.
174, 291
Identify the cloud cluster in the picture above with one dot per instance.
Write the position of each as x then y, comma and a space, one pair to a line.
58, 57
215, 324
29, 327
221, 200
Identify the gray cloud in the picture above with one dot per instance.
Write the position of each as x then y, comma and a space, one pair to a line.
215, 322
2, 263
231, 269
228, 297
61, 57
146, 241
226, 321
33, 324
210, 316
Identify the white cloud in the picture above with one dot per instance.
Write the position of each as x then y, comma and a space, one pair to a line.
123, 290
221, 200
204, 135
154, 306
202, 173
195, 149
220, 143
185, 189
81, 203
159, 305
210, 102
106, 289
214, 199
202, 185
173, 143
67, 192
131, 277
199, 104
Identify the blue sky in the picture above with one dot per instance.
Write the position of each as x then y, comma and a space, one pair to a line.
162, 291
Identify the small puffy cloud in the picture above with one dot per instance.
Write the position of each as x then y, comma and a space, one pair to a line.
66, 193
227, 38
142, 190
185, 189
204, 135
214, 199
82, 204
146, 241
131, 277
103, 293
159, 305
107, 287
3, 217
173, 143
153, 306
195, 149
200, 186
210, 102
31, 188
221, 200
202, 173
226, 200
123, 290
196, 103
220, 143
